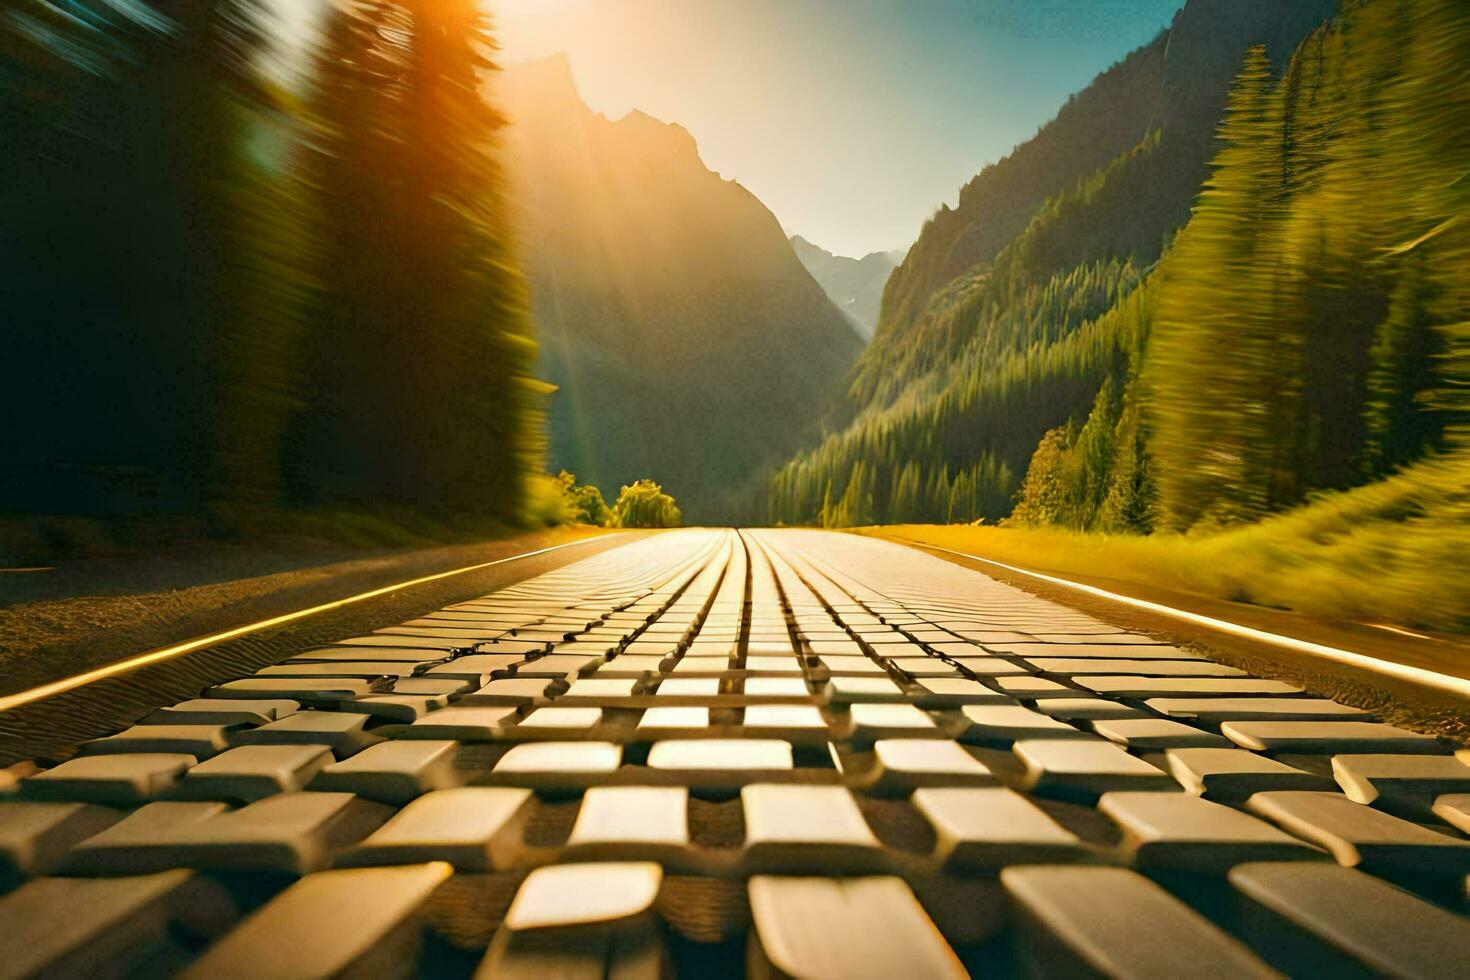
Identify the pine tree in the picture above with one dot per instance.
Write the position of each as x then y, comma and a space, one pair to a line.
420, 360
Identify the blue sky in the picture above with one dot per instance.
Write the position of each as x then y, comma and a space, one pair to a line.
853, 120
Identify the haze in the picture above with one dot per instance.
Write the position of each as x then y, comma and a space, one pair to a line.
852, 120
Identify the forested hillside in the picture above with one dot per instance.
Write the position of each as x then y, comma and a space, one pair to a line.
1310, 329
688, 342
243, 278
1011, 310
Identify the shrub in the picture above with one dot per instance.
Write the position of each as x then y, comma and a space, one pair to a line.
644, 504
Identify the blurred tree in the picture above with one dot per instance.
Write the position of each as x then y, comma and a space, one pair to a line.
148, 336
421, 350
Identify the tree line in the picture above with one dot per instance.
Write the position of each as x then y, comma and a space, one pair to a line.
1308, 328
1304, 331
245, 275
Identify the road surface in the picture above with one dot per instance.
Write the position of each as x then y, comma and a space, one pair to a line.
711, 753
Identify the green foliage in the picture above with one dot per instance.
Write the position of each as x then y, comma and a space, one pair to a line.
142, 313
218, 303
1012, 310
421, 339
950, 449
1307, 321
1309, 329
583, 502
643, 503
1394, 551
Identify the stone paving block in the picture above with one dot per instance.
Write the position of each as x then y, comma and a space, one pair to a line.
355, 922
306, 689
1232, 775
1360, 836
874, 721
106, 927
122, 780
199, 741
1324, 920
852, 665
719, 762
583, 920
1088, 922
629, 823
1085, 770
1122, 685
1004, 724
429, 686
560, 765
854, 927
223, 711
1032, 688
796, 828
688, 687
1087, 709
679, 720
1412, 781
511, 691
252, 772
393, 772
344, 732
773, 665
907, 763
783, 688
365, 669
1177, 830
589, 688
989, 828
1329, 737
1255, 709
849, 690
478, 668
1109, 651
783, 721
34, 836
455, 724
1157, 733
1150, 668
1454, 809
402, 709
126, 846
556, 722
474, 828
292, 833
952, 692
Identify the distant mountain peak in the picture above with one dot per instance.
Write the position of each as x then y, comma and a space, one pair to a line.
650, 276
855, 285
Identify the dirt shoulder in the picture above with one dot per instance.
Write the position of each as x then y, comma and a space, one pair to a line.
1393, 700
54, 624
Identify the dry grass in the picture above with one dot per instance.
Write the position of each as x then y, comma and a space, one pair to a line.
1395, 552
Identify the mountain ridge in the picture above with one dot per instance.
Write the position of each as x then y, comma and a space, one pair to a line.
688, 342
993, 329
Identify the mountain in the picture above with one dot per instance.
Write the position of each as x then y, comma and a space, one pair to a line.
688, 342
1011, 309
855, 285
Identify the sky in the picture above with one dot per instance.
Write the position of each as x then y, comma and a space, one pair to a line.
853, 120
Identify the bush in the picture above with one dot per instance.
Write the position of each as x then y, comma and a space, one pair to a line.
584, 502
546, 502
559, 499
644, 504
